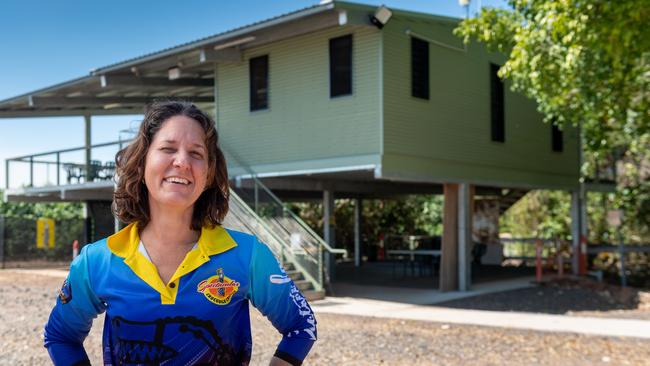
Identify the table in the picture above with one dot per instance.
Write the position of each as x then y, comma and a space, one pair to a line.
412, 253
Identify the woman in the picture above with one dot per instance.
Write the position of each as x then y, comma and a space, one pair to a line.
175, 285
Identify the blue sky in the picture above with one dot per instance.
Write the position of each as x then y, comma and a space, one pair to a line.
44, 42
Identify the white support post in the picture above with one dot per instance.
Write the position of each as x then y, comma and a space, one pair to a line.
464, 237
578, 227
358, 209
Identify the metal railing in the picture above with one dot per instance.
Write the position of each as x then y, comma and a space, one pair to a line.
254, 208
300, 244
68, 166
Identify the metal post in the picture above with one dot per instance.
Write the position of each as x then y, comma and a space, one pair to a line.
31, 171
328, 231
358, 209
87, 126
7, 174
464, 237
2, 242
621, 259
257, 196
58, 168
576, 229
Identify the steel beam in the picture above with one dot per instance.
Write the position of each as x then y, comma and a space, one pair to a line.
127, 80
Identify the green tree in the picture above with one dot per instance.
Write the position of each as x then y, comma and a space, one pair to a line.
582, 61
54, 210
587, 63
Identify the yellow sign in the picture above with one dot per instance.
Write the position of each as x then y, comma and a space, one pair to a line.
44, 232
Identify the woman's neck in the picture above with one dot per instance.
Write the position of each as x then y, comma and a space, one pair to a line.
169, 227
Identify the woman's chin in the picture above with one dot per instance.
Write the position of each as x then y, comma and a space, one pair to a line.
174, 200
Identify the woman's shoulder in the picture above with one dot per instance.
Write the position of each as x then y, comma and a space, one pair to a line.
240, 237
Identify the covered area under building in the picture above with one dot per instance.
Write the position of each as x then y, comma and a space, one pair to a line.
265, 183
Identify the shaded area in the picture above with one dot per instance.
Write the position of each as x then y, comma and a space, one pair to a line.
418, 274
567, 296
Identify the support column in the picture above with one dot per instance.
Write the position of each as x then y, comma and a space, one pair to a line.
449, 247
88, 227
464, 236
358, 217
578, 226
87, 127
329, 232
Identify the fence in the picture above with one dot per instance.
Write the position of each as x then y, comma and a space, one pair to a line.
19, 241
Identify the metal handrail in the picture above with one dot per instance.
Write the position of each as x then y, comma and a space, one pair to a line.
306, 227
300, 221
21, 158
318, 284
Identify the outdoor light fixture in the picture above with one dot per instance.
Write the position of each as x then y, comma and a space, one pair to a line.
381, 17
174, 73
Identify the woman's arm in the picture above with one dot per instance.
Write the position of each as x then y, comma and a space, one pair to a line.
72, 316
278, 362
276, 296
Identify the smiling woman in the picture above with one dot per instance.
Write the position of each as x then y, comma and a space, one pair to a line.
189, 138
175, 285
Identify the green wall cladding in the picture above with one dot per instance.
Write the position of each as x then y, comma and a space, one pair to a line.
447, 138
303, 128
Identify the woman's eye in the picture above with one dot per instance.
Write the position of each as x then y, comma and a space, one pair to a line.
167, 149
197, 155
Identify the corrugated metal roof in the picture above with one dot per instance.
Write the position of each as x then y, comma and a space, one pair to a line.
214, 38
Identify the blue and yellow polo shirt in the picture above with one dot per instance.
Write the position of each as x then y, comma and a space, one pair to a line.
200, 317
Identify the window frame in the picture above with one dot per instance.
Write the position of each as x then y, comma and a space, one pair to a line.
420, 89
497, 106
334, 68
557, 138
253, 88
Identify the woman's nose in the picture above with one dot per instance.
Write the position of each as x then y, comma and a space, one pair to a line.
181, 159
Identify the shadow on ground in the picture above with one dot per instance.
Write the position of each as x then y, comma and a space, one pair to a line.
555, 297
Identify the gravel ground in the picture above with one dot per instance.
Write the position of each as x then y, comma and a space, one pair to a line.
26, 300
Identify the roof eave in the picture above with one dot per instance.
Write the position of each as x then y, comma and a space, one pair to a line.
215, 39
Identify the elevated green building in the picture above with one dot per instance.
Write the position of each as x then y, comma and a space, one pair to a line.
338, 100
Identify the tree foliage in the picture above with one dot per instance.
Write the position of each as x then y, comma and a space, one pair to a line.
587, 63
54, 210
582, 61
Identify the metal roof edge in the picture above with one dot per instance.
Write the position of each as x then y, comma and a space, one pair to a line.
398, 11
49, 88
315, 9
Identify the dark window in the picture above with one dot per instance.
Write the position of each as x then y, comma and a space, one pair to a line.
557, 142
497, 105
341, 66
259, 82
419, 68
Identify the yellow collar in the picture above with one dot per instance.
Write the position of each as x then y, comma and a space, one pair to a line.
125, 243
213, 241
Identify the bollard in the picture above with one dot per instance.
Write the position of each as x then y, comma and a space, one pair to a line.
75, 249
582, 265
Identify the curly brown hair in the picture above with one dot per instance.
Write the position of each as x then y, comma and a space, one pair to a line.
131, 198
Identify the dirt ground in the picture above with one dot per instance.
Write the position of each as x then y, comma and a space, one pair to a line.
26, 300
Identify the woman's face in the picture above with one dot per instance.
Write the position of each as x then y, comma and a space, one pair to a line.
176, 166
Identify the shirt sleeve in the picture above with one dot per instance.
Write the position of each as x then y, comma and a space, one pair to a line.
273, 293
72, 316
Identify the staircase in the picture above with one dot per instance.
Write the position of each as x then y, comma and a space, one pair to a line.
256, 210
509, 197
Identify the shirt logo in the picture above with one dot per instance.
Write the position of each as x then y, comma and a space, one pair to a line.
219, 288
279, 279
65, 293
